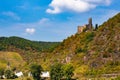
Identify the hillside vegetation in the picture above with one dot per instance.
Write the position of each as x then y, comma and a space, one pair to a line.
11, 58
29, 50
12, 43
92, 53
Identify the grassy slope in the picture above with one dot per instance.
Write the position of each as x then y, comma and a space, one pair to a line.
13, 58
29, 50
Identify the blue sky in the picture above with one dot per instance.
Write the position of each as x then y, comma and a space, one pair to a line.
51, 20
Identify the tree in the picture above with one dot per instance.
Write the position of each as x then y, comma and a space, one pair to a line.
68, 71
9, 74
96, 26
1, 73
36, 71
56, 72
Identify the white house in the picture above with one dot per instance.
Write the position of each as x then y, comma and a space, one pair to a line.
45, 75
19, 74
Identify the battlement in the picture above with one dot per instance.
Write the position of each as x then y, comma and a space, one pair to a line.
86, 27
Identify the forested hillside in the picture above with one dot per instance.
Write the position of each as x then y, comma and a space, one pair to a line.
92, 53
12, 43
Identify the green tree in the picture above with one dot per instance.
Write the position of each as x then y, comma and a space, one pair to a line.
68, 71
96, 26
9, 74
36, 71
56, 72
1, 73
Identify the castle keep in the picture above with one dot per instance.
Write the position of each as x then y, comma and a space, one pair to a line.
86, 27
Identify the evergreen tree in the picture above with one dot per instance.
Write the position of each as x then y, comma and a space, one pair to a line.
96, 26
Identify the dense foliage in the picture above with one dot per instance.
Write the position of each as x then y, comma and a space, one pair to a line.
1, 73
60, 71
68, 71
9, 74
36, 71
94, 52
12, 43
56, 72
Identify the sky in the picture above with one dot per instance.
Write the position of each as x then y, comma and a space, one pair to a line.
52, 20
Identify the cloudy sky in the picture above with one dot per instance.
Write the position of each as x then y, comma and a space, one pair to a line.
51, 20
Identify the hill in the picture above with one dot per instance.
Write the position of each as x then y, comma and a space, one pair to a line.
11, 58
9, 43
29, 50
106, 47
92, 53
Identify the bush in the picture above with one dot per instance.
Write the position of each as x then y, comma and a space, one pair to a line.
10, 75
59, 71
36, 71
1, 73
56, 72
68, 71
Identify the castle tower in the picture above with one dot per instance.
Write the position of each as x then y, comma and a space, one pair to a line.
90, 23
86, 27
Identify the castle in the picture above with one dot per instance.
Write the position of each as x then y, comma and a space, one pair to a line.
86, 27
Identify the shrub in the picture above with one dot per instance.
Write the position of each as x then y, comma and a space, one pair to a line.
56, 72
36, 71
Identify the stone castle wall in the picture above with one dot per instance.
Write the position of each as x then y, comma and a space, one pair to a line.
85, 27
81, 29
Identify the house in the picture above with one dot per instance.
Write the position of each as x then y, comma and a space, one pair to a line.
45, 74
19, 74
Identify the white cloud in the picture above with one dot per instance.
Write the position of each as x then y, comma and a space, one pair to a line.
58, 6
11, 14
30, 30
43, 20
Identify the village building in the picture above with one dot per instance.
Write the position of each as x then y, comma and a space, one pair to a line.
19, 74
45, 74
